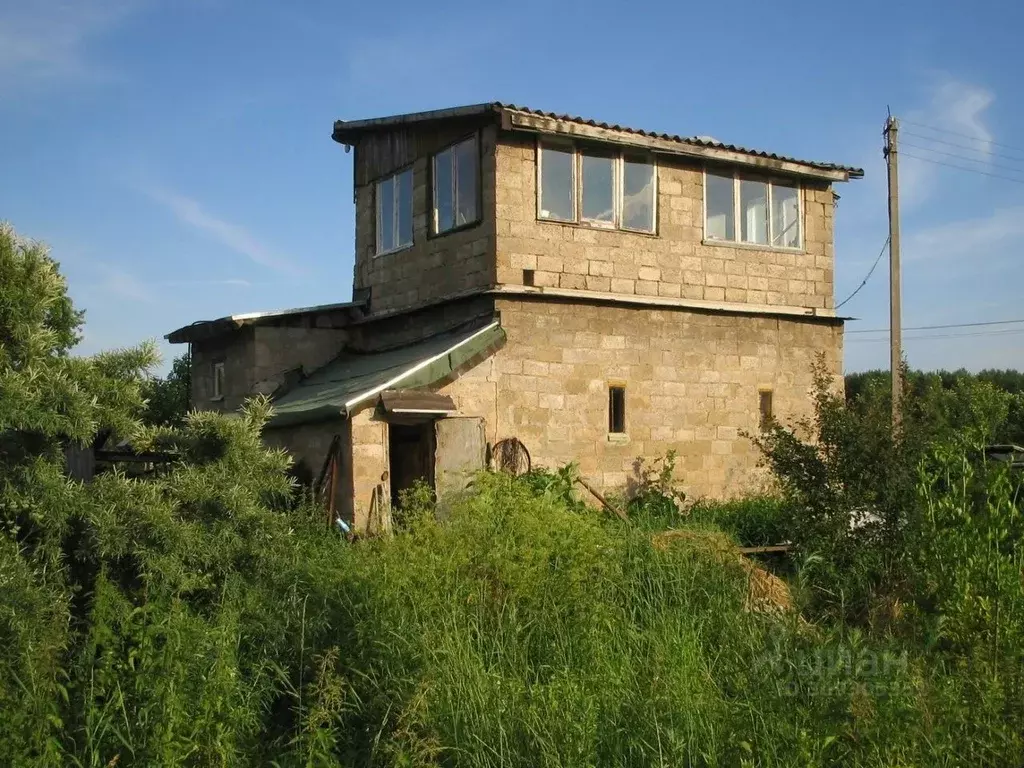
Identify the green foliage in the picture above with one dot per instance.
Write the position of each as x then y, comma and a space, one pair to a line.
851, 490
146, 622
205, 616
923, 385
522, 632
168, 399
656, 501
754, 521
557, 484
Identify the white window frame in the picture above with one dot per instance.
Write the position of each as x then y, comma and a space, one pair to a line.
219, 379
737, 227
618, 155
378, 251
434, 226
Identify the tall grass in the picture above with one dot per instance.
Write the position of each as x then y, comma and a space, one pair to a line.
522, 632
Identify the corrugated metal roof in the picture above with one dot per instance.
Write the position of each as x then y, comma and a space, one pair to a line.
341, 128
341, 385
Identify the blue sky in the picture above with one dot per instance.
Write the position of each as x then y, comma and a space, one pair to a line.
176, 154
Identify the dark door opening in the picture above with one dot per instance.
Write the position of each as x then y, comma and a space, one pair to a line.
411, 456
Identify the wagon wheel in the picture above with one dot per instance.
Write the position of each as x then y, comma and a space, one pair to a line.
510, 455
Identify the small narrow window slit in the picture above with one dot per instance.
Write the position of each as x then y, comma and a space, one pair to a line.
765, 408
218, 381
617, 410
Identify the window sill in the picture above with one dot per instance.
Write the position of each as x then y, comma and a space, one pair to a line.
597, 227
618, 437
217, 399
750, 246
393, 250
461, 228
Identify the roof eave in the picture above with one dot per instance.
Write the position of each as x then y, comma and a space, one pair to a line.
345, 131
202, 330
546, 124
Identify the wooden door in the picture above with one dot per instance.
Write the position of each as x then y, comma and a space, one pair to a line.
460, 452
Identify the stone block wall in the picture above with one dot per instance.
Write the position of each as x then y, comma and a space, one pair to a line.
675, 262
237, 352
281, 349
370, 466
692, 379
435, 266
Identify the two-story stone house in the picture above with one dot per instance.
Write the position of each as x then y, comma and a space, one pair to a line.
597, 292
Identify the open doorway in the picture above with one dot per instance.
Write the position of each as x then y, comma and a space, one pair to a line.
411, 457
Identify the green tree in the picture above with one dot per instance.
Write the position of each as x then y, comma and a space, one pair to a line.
162, 621
168, 399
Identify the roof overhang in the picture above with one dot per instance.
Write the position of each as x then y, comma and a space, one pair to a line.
349, 383
517, 118
405, 402
204, 330
554, 126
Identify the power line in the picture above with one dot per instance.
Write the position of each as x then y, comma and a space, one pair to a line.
964, 158
964, 168
868, 277
942, 336
958, 133
941, 327
988, 152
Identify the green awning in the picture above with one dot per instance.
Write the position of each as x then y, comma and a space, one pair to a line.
348, 381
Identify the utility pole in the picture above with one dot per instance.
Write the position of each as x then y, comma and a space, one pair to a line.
895, 322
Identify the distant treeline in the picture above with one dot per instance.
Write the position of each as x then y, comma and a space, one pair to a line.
921, 383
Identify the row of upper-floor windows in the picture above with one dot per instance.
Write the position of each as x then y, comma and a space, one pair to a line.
593, 187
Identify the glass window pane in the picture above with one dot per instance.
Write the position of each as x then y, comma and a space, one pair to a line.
557, 190
444, 202
754, 211
385, 215
785, 215
598, 188
638, 194
466, 162
720, 223
403, 236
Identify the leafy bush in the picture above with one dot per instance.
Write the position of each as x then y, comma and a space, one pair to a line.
851, 490
753, 522
656, 501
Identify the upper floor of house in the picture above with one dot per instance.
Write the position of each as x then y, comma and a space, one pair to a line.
500, 198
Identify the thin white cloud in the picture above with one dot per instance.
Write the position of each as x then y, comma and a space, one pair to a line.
953, 105
994, 238
50, 41
119, 284
191, 212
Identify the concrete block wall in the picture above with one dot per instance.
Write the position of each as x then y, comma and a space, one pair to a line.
309, 444
692, 380
675, 262
370, 466
435, 266
282, 349
237, 352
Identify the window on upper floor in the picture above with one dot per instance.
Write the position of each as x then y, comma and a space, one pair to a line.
456, 174
596, 186
752, 210
394, 212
